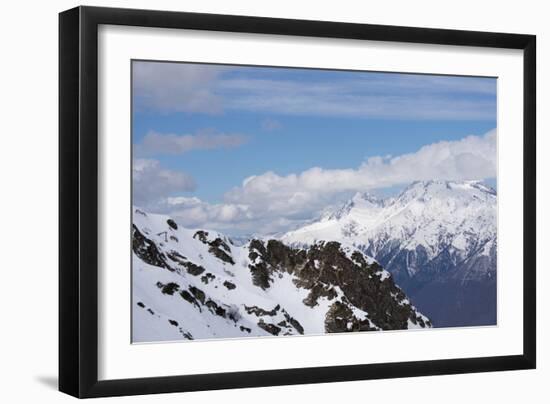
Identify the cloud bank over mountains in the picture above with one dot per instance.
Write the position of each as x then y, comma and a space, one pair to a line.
269, 202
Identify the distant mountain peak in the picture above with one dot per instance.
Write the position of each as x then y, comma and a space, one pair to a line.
445, 189
422, 191
361, 200
434, 185
435, 236
436, 215
367, 197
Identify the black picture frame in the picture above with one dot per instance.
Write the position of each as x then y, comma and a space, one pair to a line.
78, 200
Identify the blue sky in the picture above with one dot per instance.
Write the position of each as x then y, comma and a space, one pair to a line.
199, 131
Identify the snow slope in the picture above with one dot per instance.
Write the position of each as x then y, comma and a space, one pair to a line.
193, 284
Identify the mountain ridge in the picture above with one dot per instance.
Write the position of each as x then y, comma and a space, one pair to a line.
434, 234
195, 283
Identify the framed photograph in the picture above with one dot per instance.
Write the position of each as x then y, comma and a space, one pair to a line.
250, 201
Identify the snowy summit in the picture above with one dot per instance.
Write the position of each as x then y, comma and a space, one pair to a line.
435, 237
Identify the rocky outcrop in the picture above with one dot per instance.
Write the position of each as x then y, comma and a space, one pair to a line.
172, 224
146, 249
325, 268
218, 247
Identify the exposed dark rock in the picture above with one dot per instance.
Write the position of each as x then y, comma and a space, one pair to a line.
174, 238
146, 249
243, 328
207, 278
219, 243
193, 269
258, 311
190, 298
281, 257
202, 236
222, 255
340, 318
229, 285
173, 322
218, 247
172, 224
199, 294
176, 257
140, 304
215, 308
220, 311
359, 258
294, 323
151, 311
186, 334
221, 250
259, 268
270, 328
319, 290
260, 275
169, 288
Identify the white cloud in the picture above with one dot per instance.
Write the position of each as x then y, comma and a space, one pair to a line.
234, 219
302, 194
193, 212
151, 182
155, 143
270, 202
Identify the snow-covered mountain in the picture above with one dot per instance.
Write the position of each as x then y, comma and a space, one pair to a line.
192, 284
437, 238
